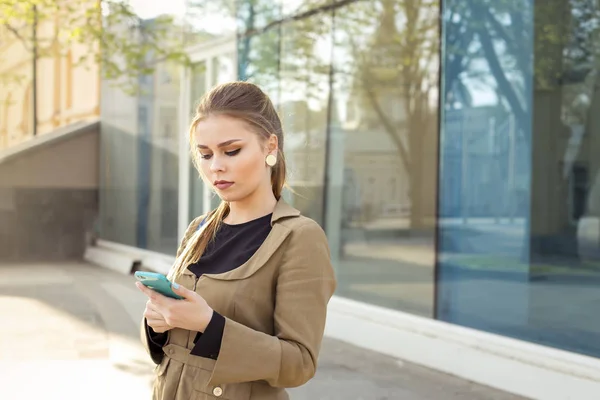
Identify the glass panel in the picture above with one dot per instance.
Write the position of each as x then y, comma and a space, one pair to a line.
303, 107
205, 20
139, 175
520, 183
383, 153
255, 15
164, 181
197, 89
294, 7
119, 158
258, 61
222, 70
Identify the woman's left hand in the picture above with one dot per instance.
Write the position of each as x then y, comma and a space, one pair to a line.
191, 313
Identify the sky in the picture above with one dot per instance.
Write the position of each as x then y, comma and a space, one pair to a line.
152, 8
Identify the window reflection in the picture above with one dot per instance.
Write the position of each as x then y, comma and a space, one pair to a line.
164, 163
258, 61
213, 70
139, 177
254, 15
205, 20
519, 234
303, 106
197, 89
383, 152
292, 7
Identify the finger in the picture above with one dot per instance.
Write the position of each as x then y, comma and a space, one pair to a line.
154, 315
156, 322
151, 306
159, 327
147, 291
151, 314
155, 297
182, 291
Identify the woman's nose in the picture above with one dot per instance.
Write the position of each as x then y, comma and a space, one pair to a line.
216, 164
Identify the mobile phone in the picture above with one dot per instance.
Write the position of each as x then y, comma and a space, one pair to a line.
157, 282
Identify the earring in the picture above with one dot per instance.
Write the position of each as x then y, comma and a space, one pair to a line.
271, 160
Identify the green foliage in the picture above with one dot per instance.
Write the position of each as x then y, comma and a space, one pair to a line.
114, 36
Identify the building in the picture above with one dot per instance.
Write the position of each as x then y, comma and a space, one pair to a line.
73, 94
49, 129
446, 148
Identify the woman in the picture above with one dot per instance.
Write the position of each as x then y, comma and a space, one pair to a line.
255, 275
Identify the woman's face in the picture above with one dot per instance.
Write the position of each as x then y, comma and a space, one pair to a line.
232, 157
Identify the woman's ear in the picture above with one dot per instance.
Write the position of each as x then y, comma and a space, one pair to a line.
272, 144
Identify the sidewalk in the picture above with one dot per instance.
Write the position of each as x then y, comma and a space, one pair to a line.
70, 331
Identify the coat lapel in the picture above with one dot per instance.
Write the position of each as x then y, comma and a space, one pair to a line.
274, 240
276, 237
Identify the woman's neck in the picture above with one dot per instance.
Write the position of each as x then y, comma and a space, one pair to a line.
252, 207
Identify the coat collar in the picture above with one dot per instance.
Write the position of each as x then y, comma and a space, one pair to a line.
279, 232
283, 210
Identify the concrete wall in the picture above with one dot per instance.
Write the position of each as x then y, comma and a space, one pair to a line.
49, 195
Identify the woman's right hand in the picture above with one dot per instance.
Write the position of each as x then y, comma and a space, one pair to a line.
155, 320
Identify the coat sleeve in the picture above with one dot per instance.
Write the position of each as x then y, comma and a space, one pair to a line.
304, 285
152, 348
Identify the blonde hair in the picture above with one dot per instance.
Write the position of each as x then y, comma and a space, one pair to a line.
247, 102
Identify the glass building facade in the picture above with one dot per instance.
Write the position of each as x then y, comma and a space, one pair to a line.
449, 149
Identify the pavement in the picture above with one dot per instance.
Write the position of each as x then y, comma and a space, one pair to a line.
70, 331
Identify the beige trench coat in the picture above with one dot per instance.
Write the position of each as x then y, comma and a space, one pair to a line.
275, 307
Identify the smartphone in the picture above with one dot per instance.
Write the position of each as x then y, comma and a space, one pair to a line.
157, 282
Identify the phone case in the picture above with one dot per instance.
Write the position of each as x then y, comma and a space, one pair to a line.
157, 282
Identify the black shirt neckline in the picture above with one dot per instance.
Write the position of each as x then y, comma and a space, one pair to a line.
253, 221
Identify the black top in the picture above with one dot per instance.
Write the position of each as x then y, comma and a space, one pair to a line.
232, 246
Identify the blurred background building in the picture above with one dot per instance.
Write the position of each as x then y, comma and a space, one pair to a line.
449, 149
49, 131
64, 90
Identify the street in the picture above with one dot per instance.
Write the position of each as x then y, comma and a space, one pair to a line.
70, 331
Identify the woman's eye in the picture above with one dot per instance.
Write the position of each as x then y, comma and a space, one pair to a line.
205, 156
233, 152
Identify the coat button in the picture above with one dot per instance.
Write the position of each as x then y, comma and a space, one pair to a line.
171, 351
218, 391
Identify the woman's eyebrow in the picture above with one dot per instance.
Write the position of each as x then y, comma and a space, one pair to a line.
227, 143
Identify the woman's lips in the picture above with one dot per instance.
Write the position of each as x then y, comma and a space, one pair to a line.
222, 185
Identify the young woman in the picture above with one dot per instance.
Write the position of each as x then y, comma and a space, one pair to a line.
255, 275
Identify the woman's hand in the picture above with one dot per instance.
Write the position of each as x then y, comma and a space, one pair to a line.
154, 319
191, 313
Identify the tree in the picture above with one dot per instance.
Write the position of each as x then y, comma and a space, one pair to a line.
541, 57
280, 48
393, 73
124, 45
501, 33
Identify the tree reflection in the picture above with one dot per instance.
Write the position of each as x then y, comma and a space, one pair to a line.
501, 33
392, 71
390, 52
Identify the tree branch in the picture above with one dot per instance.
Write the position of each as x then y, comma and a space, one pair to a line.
388, 127
511, 44
498, 72
16, 33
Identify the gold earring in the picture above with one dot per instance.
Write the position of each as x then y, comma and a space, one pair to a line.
271, 160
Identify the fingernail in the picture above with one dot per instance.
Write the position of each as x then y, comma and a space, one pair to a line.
175, 285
